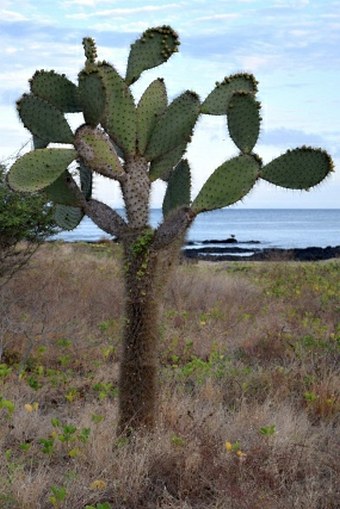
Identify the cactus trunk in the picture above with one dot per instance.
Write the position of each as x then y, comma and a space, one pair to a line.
138, 369
146, 272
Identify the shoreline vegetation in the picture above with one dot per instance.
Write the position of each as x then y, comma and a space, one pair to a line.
249, 372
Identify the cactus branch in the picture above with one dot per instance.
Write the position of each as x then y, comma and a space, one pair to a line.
105, 218
173, 227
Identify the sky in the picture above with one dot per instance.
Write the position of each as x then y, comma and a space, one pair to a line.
291, 46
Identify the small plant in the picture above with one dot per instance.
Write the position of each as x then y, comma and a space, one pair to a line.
267, 431
58, 496
234, 448
99, 505
5, 370
7, 405
105, 390
72, 394
310, 396
67, 434
177, 440
34, 383
97, 418
64, 343
47, 445
25, 446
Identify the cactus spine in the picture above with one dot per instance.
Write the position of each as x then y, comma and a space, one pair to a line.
136, 145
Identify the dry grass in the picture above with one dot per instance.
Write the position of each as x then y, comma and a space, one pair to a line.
248, 355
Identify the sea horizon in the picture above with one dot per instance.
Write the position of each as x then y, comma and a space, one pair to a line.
269, 227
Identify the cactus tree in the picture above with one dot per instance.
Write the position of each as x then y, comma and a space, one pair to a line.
136, 144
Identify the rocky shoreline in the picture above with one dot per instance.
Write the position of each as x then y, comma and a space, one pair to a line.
215, 253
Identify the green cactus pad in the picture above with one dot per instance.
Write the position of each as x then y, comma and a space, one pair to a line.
40, 168
86, 180
44, 120
154, 47
67, 217
217, 101
178, 189
175, 126
56, 89
243, 115
164, 165
59, 192
300, 168
120, 118
152, 104
39, 143
91, 97
229, 183
97, 152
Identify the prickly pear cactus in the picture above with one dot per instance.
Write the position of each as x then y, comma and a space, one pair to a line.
134, 144
137, 144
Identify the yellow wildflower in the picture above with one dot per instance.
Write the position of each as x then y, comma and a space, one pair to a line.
31, 407
98, 484
229, 446
241, 454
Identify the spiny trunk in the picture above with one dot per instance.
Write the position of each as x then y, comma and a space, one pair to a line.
146, 273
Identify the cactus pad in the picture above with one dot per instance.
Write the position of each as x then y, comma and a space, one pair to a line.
119, 119
152, 104
40, 168
243, 116
56, 89
175, 126
39, 143
44, 120
154, 47
229, 183
91, 97
86, 180
67, 217
96, 150
217, 101
300, 168
178, 189
59, 192
163, 166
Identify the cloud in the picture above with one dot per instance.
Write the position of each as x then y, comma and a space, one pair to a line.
83, 3
283, 137
124, 11
10, 16
219, 17
133, 27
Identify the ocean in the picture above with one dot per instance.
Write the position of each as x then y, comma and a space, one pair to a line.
269, 228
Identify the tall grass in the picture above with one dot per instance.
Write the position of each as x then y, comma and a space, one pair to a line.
249, 387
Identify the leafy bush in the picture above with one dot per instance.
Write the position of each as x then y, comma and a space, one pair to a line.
25, 221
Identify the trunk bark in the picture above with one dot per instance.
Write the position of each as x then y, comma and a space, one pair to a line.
146, 273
